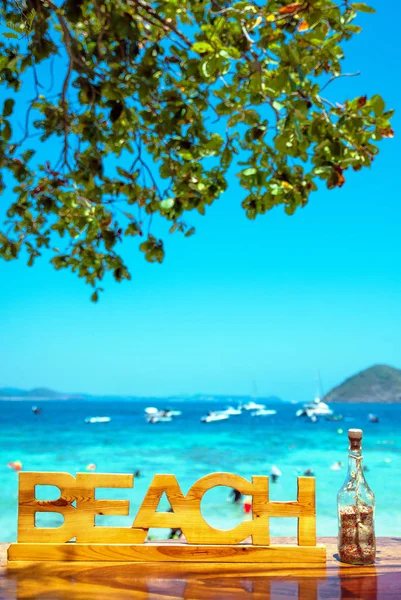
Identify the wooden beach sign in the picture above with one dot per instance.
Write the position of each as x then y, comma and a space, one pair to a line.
80, 539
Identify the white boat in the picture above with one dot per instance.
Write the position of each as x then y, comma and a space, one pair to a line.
251, 405
155, 415
97, 419
232, 411
263, 412
321, 409
158, 419
172, 413
317, 408
215, 416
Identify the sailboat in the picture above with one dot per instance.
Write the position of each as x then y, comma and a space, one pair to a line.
252, 404
316, 408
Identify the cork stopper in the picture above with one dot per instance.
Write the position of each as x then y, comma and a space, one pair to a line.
355, 438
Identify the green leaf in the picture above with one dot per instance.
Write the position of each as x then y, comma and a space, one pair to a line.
298, 133
11, 35
123, 173
226, 157
95, 296
6, 133
27, 155
133, 229
190, 232
109, 91
231, 52
362, 7
277, 105
186, 155
167, 204
31, 16
377, 104
300, 72
202, 47
234, 119
325, 170
249, 172
8, 107
205, 69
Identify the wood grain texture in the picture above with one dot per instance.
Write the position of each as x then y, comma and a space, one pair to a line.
307, 520
209, 581
79, 520
150, 553
28, 506
198, 531
260, 511
147, 516
88, 507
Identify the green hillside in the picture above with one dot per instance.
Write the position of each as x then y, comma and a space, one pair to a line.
379, 383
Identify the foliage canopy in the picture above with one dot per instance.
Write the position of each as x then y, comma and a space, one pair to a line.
189, 88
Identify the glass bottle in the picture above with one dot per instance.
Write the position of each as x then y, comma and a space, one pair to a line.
356, 506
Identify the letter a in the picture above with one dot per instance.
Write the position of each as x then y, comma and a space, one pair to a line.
149, 517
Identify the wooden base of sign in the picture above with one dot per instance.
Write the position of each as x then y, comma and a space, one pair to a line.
174, 552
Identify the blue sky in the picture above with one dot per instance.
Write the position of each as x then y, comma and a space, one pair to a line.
270, 300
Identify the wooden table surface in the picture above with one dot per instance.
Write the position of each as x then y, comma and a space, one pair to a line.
111, 581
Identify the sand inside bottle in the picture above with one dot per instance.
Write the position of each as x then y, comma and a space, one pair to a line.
357, 539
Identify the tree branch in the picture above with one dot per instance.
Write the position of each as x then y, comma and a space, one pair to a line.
28, 112
246, 34
65, 112
326, 101
165, 22
338, 76
66, 31
145, 166
35, 78
70, 42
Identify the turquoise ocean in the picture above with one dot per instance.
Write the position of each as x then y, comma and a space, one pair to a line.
59, 440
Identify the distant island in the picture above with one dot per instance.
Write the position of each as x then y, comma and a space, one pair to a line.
37, 394
379, 383
47, 394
